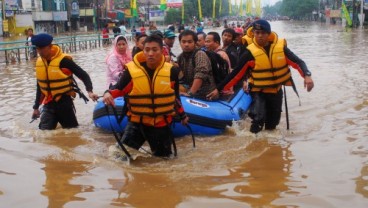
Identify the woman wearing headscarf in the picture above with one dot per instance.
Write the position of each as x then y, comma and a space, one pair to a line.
118, 57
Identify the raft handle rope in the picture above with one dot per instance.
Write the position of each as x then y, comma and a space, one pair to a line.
119, 119
286, 110
116, 135
191, 132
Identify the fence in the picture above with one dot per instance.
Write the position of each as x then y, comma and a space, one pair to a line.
16, 51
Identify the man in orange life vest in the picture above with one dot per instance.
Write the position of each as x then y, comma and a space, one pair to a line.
265, 64
56, 87
151, 89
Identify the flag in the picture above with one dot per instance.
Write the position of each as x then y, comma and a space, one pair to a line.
241, 8
249, 7
220, 8
258, 8
200, 10
346, 14
133, 5
214, 9
163, 4
182, 14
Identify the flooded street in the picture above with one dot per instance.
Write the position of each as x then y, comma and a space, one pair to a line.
320, 162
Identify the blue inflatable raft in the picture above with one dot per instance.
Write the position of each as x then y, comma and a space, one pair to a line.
205, 117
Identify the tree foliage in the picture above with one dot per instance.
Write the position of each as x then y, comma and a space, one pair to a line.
173, 15
298, 9
272, 10
295, 9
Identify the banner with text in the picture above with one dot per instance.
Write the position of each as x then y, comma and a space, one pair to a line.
174, 3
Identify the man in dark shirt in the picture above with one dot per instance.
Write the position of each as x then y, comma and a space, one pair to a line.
196, 77
151, 89
266, 74
228, 36
116, 30
56, 87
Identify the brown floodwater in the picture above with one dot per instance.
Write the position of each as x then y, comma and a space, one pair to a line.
320, 162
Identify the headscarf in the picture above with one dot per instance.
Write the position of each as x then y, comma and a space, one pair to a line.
124, 58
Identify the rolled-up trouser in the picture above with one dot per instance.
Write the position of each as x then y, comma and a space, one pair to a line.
62, 112
265, 110
158, 138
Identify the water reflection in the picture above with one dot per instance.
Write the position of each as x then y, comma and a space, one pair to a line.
62, 168
60, 173
260, 181
362, 182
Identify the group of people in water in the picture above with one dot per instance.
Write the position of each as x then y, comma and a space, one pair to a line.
151, 79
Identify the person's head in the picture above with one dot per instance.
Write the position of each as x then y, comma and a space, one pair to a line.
158, 33
213, 41
201, 38
238, 36
43, 44
169, 38
140, 40
188, 40
152, 49
261, 31
228, 35
121, 44
29, 32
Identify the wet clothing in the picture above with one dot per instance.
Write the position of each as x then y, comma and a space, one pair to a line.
267, 100
232, 53
62, 112
201, 69
154, 126
61, 109
269, 74
150, 102
158, 138
265, 110
53, 80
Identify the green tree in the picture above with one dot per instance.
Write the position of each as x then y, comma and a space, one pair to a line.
173, 15
272, 10
298, 9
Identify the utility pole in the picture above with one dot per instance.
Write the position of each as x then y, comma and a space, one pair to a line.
353, 19
362, 13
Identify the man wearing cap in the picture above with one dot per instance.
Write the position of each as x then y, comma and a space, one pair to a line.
240, 48
169, 39
56, 86
266, 73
